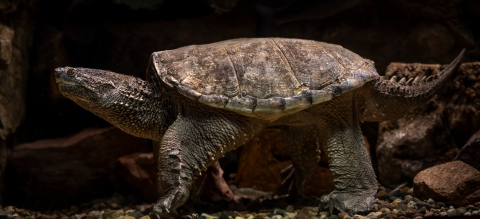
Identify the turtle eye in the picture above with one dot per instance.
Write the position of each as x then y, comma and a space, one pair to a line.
71, 72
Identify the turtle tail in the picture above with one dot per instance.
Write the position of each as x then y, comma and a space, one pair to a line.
391, 99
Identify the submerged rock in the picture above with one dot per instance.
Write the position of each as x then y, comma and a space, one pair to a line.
454, 183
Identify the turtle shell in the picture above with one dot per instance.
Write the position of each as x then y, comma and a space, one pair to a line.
264, 77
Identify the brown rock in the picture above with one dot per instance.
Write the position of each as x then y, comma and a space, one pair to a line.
410, 212
342, 215
6, 38
138, 170
257, 166
429, 214
80, 165
470, 152
14, 66
13, 75
454, 183
429, 135
262, 159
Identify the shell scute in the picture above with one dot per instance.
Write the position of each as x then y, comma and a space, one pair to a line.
244, 104
217, 101
273, 105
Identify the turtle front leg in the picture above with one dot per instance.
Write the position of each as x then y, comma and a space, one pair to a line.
353, 176
193, 142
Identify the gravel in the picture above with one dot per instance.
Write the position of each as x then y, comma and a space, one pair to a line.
396, 205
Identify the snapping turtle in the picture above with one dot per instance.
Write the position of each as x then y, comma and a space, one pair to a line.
200, 101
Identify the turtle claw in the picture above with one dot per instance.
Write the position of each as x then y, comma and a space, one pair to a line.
161, 208
350, 202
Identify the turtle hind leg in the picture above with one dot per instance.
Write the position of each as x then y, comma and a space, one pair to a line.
353, 176
198, 138
302, 147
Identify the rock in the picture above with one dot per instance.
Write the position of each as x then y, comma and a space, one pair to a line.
45, 164
430, 201
372, 215
471, 207
453, 183
423, 204
357, 216
461, 211
6, 38
14, 67
451, 212
429, 135
268, 151
422, 210
429, 214
279, 211
470, 152
261, 215
410, 212
411, 205
382, 194
9, 209
385, 210
258, 153
136, 214
342, 215
290, 214
138, 170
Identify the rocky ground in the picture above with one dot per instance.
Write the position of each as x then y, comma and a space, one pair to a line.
389, 204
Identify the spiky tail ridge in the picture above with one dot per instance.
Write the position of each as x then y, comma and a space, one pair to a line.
391, 99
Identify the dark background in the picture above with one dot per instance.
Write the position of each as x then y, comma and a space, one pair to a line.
120, 35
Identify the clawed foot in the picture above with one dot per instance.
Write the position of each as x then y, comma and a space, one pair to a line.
163, 208
350, 202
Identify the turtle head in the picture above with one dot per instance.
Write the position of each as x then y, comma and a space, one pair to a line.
127, 102
95, 89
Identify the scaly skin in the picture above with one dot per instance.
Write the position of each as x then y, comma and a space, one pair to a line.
192, 135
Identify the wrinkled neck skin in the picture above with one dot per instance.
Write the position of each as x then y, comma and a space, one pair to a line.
129, 103
138, 113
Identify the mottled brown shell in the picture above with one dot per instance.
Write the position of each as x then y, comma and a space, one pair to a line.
265, 77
